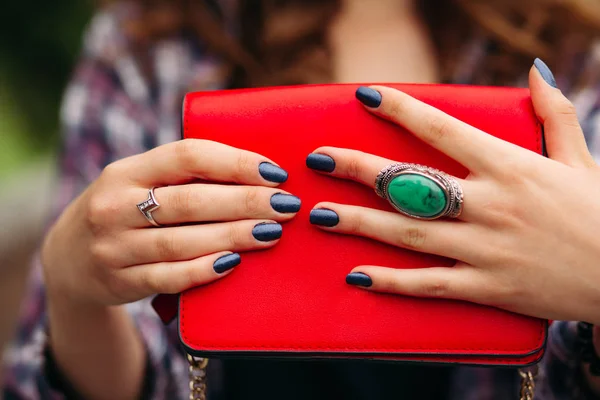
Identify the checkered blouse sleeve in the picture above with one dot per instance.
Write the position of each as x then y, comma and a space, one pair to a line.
101, 122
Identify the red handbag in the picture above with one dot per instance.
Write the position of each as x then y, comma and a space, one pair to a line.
292, 300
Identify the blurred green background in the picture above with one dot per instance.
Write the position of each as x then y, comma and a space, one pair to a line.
39, 44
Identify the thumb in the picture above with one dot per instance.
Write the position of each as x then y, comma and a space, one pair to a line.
564, 137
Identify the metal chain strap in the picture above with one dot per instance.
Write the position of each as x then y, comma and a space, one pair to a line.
197, 371
527, 384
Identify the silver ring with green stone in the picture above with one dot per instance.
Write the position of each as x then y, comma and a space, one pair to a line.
419, 191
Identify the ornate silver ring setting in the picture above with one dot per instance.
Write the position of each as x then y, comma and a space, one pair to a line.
148, 206
419, 191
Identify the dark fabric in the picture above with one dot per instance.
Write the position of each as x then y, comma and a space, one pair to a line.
316, 380
60, 383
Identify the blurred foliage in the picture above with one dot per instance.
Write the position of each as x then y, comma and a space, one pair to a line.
39, 44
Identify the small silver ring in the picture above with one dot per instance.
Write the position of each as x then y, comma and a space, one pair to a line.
148, 206
448, 185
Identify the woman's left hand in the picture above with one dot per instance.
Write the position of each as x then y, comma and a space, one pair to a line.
528, 238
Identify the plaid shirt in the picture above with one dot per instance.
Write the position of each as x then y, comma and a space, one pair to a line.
112, 110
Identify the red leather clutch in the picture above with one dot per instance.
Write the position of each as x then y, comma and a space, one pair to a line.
292, 300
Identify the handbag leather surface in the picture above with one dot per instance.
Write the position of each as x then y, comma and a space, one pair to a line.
292, 300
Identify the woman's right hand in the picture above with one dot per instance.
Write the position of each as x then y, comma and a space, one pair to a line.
103, 251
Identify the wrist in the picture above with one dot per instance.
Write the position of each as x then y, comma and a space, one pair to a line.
107, 335
64, 286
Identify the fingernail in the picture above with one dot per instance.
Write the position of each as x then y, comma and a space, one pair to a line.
267, 231
324, 217
545, 72
226, 262
285, 203
359, 279
320, 162
369, 97
272, 173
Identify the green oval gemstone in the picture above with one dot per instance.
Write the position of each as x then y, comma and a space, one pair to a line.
417, 195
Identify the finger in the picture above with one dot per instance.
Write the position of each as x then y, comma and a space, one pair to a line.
460, 141
451, 239
194, 159
175, 277
207, 203
565, 141
146, 246
347, 164
364, 168
350, 164
460, 282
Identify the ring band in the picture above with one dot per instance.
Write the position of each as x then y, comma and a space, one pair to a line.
420, 192
148, 206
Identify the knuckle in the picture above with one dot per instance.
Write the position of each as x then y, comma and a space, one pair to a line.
167, 247
502, 212
356, 223
186, 152
438, 129
243, 165
436, 287
514, 171
118, 287
152, 283
568, 114
100, 253
412, 238
395, 109
183, 199
235, 236
390, 285
567, 109
353, 168
192, 277
100, 211
252, 202
176, 279
516, 216
112, 169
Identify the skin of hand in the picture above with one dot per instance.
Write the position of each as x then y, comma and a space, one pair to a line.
527, 239
102, 252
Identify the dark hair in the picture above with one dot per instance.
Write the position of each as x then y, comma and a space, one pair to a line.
284, 41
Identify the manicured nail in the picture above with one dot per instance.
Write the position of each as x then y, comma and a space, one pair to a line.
320, 162
545, 72
359, 279
285, 203
369, 97
272, 173
324, 217
226, 262
267, 231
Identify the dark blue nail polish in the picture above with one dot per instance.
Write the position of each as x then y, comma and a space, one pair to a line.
320, 162
359, 279
545, 72
267, 231
369, 97
324, 217
226, 262
272, 173
285, 203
